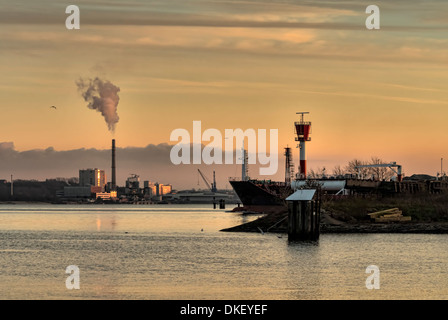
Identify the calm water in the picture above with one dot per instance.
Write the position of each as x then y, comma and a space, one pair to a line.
160, 252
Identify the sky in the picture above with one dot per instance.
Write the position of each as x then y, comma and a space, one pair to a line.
248, 64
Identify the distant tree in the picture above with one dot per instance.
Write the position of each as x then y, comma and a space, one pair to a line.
338, 171
318, 173
312, 174
352, 168
380, 173
323, 172
377, 173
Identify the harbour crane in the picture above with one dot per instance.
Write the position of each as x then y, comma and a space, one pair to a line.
391, 165
211, 186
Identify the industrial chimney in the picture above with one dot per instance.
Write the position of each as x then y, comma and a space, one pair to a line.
114, 182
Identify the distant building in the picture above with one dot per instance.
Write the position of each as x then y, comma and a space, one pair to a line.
106, 195
92, 177
156, 189
133, 184
78, 192
165, 189
87, 192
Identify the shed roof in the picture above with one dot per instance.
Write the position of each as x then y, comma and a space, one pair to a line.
302, 195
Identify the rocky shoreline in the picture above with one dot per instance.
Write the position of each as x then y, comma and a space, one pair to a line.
277, 223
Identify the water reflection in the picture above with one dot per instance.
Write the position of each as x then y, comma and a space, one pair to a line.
304, 267
166, 256
105, 222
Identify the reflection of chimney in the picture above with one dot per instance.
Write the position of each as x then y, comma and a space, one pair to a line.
113, 184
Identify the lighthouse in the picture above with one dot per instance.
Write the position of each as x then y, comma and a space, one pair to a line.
303, 130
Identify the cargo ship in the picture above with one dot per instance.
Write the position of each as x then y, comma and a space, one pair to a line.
266, 195
261, 195
269, 196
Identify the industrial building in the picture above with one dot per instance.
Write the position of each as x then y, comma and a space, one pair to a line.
150, 191
79, 192
133, 184
106, 195
93, 186
92, 177
157, 189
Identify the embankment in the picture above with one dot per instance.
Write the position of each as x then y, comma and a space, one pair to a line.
429, 214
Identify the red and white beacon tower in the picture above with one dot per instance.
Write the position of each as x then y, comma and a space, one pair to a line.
303, 130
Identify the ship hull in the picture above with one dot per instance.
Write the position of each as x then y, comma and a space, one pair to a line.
261, 197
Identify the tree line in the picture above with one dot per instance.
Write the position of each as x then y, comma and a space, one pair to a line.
375, 173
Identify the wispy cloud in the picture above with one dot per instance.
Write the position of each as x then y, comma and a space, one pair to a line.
413, 88
318, 29
375, 96
334, 15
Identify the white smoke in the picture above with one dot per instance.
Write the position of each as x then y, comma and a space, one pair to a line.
102, 96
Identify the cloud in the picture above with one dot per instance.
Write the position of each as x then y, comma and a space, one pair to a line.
180, 13
328, 30
335, 15
330, 45
375, 96
6, 146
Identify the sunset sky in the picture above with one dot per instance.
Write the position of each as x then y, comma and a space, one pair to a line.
231, 64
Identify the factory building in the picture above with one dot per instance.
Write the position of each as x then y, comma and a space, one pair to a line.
92, 177
156, 189
92, 184
132, 185
106, 195
165, 189
81, 191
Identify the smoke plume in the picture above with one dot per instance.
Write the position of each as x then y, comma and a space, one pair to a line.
102, 96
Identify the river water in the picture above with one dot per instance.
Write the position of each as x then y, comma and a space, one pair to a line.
177, 252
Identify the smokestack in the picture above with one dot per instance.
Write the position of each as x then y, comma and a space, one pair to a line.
114, 183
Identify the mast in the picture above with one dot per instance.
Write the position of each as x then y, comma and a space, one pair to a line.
289, 166
244, 169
